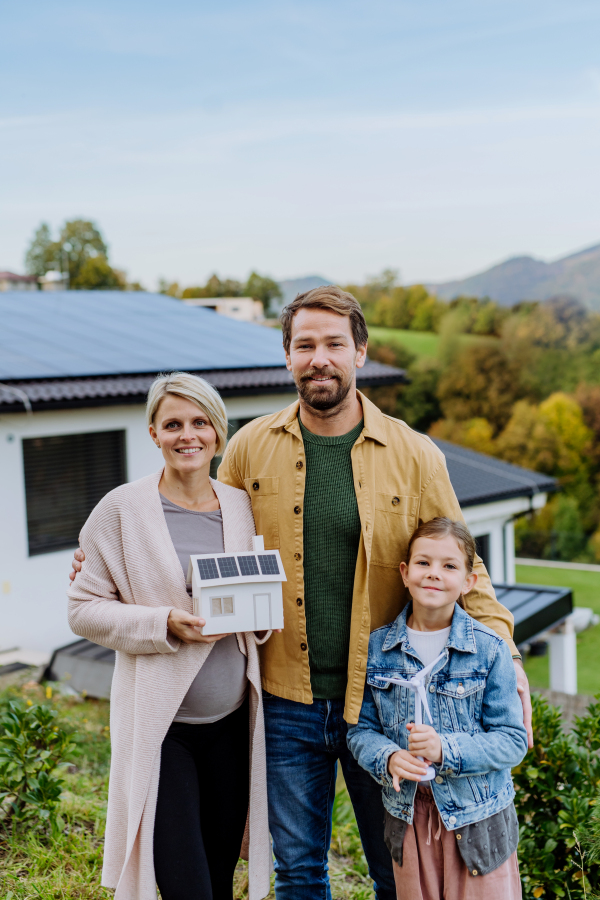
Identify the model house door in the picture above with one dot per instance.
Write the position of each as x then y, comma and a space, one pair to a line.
262, 612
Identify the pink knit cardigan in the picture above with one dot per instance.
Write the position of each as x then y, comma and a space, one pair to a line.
130, 580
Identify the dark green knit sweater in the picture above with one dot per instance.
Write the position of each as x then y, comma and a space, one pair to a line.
331, 539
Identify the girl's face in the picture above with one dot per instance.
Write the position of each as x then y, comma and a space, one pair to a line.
436, 575
184, 434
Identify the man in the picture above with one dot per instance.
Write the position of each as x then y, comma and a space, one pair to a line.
338, 488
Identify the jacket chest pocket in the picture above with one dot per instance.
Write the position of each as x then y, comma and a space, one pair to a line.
395, 516
461, 699
264, 496
390, 700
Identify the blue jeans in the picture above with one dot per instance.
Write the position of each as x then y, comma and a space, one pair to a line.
304, 744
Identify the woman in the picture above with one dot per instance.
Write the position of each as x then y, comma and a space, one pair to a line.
186, 710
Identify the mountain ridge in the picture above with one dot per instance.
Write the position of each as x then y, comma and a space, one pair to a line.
527, 278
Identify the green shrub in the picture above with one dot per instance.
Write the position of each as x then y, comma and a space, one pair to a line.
32, 748
557, 785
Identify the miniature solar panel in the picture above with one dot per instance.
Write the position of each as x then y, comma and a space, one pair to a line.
248, 565
268, 565
228, 567
208, 569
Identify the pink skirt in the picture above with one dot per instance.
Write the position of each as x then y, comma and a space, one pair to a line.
433, 868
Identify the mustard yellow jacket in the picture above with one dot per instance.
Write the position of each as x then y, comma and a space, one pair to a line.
401, 480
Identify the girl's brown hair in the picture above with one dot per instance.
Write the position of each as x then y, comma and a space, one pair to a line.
441, 527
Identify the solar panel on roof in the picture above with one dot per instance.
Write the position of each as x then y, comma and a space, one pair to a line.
208, 569
248, 565
125, 333
268, 564
228, 567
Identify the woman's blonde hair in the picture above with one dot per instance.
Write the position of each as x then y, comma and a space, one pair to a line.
193, 388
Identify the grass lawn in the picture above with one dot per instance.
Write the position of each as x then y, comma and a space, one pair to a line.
422, 343
35, 867
586, 592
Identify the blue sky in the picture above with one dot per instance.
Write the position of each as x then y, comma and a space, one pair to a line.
338, 138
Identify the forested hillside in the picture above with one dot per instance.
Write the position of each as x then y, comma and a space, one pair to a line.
522, 384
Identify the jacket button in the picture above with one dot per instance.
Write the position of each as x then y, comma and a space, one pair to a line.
475, 872
255, 486
299, 601
440, 780
303, 646
297, 556
452, 820
432, 688
299, 464
297, 510
459, 837
395, 501
460, 689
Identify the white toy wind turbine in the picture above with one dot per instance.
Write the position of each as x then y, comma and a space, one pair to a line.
417, 685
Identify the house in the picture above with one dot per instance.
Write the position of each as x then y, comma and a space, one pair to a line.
11, 282
244, 309
54, 281
240, 592
75, 367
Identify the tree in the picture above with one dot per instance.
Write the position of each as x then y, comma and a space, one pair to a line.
264, 289
41, 253
79, 241
551, 438
479, 384
214, 287
96, 274
476, 434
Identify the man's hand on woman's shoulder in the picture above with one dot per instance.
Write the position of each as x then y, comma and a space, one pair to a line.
78, 558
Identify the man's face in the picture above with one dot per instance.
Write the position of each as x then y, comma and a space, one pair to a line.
322, 357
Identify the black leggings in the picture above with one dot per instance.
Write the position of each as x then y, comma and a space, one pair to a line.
201, 807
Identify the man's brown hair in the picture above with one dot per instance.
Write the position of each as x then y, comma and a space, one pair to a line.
441, 527
326, 297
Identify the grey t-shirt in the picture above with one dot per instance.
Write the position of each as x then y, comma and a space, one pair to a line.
220, 686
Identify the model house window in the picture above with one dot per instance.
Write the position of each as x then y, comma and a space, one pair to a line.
482, 542
65, 477
222, 606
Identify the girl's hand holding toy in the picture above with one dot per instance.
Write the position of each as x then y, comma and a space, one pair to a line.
402, 764
424, 741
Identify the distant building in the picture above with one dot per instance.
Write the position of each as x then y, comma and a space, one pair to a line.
244, 309
54, 281
11, 282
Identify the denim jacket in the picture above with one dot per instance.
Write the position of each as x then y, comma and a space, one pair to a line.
475, 708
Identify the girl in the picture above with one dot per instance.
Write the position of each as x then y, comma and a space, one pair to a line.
454, 836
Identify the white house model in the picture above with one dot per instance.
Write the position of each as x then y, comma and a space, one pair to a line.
238, 592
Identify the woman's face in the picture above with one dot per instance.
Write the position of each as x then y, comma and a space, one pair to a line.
184, 434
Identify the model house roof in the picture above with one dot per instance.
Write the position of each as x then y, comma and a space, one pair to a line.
212, 569
477, 478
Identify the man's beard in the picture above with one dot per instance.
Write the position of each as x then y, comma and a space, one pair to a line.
326, 396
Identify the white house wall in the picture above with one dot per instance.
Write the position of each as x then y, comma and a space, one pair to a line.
496, 519
33, 602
